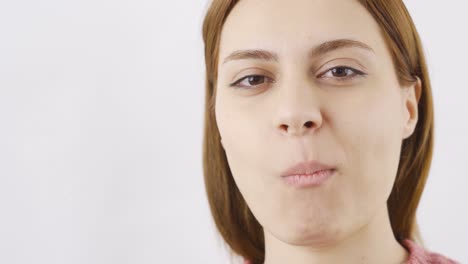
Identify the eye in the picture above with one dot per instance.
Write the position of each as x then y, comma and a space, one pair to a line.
343, 73
249, 81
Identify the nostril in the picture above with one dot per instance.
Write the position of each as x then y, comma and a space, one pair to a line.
308, 124
285, 127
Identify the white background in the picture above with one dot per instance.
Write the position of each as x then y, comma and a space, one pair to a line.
101, 113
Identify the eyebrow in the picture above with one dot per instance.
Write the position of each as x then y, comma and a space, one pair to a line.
320, 49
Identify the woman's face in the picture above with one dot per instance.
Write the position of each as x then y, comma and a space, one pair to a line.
300, 107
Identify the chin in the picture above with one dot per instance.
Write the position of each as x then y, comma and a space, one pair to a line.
311, 233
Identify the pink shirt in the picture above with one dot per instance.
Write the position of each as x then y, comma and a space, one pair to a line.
418, 255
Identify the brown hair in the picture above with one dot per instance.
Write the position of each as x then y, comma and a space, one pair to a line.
233, 218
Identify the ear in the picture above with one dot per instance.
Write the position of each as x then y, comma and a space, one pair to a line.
411, 98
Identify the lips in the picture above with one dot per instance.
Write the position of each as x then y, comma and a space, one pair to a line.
306, 168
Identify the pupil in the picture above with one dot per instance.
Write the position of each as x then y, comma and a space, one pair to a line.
253, 79
339, 71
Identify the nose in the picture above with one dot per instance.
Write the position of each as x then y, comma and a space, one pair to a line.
292, 129
299, 125
298, 113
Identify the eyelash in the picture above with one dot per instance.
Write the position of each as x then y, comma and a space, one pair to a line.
355, 74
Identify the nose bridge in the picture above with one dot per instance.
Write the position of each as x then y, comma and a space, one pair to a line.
298, 102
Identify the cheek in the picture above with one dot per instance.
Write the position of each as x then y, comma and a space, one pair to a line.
371, 140
240, 137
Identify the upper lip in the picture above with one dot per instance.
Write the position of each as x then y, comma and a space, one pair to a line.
307, 167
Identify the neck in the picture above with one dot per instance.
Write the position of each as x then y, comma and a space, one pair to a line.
374, 243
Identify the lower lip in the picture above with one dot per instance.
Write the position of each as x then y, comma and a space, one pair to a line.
308, 180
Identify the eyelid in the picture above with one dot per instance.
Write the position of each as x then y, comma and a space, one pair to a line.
254, 71
236, 82
343, 62
357, 72
251, 71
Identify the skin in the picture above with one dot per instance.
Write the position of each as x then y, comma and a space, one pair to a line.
301, 111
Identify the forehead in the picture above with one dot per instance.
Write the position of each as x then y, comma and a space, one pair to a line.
293, 26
